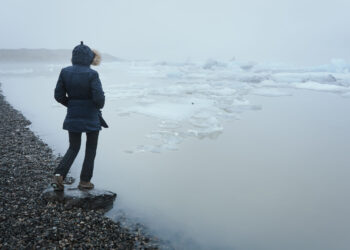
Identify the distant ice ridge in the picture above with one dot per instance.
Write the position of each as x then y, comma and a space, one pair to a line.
193, 99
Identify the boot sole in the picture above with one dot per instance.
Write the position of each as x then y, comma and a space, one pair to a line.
85, 188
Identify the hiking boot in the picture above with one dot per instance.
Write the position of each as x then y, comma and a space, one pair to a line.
57, 182
85, 185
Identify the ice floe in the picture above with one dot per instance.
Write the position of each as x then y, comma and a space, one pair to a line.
270, 92
195, 98
320, 87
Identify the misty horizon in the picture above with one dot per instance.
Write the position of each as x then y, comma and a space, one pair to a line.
297, 32
64, 55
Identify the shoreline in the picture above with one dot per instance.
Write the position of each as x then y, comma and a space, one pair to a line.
26, 167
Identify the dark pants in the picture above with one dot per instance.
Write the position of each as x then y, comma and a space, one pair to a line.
73, 150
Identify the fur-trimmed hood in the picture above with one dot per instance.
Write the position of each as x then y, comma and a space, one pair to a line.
97, 58
83, 55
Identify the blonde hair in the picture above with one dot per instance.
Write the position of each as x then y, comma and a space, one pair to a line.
97, 58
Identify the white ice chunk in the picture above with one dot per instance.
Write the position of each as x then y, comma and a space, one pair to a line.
168, 139
175, 111
320, 87
149, 148
205, 125
211, 133
271, 92
254, 78
211, 64
247, 66
169, 124
336, 65
222, 91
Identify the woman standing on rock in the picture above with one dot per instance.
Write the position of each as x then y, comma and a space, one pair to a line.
79, 89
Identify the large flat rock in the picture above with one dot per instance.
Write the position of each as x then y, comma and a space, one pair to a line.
86, 199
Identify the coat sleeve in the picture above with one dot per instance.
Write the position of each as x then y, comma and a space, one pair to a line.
98, 96
60, 91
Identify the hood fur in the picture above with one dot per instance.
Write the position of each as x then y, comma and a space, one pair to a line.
97, 58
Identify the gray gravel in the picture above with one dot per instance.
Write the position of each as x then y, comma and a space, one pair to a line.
26, 166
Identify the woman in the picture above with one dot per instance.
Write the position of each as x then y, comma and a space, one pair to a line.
79, 89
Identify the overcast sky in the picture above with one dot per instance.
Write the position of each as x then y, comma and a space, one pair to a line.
297, 31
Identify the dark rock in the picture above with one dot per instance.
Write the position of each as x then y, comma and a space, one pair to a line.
87, 199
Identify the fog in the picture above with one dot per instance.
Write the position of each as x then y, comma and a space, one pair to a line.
292, 31
214, 155
229, 125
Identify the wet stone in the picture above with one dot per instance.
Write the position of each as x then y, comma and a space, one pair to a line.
85, 199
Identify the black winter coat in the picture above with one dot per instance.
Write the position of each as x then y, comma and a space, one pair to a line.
79, 89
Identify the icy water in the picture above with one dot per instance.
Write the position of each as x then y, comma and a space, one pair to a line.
215, 155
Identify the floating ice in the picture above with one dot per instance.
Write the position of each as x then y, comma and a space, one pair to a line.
166, 124
148, 148
247, 66
336, 65
194, 99
176, 110
269, 92
211, 64
320, 87
169, 139
205, 125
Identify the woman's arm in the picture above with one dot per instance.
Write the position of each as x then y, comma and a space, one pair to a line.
98, 96
60, 91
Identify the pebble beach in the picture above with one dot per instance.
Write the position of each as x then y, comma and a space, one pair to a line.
26, 221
